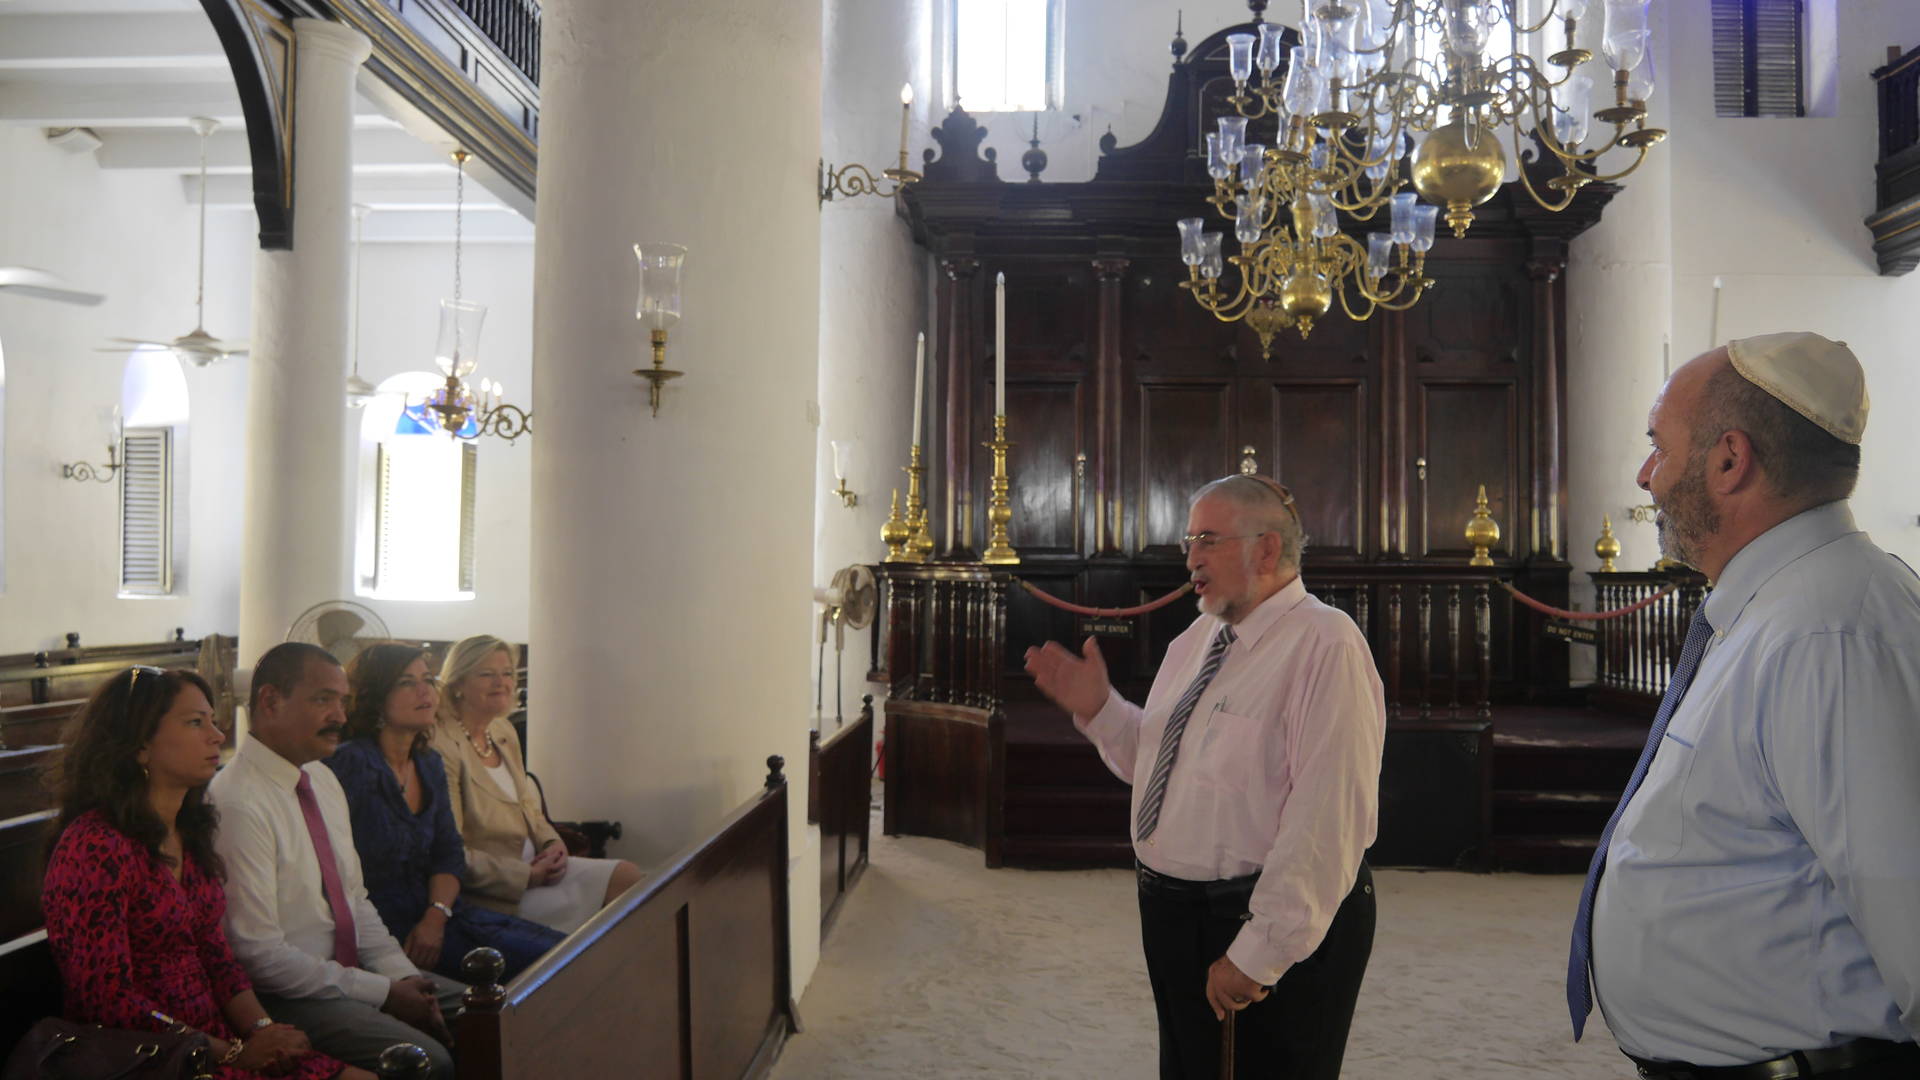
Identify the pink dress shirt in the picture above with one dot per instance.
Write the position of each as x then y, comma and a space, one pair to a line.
1279, 768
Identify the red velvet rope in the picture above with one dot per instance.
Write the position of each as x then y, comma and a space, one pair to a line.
1584, 616
1110, 613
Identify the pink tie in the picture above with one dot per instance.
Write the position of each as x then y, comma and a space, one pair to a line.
344, 951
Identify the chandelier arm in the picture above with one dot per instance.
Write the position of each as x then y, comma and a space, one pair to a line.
1553, 9
1527, 181
1606, 178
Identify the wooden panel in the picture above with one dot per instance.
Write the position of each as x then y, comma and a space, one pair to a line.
35, 725
29, 987
699, 951
937, 772
1469, 434
21, 789
846, 795
1050, 319
1321, 438
1044, 423
1167, 333
23, 844
1186, 438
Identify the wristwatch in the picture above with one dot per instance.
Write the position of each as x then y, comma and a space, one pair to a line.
263, 1022
444, 909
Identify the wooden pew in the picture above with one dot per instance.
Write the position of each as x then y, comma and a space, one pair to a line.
35, 725
72, 673
841, 799
686, 975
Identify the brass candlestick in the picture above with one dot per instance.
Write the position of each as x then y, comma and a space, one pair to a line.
1482, 532
999, 509
659, 373
895, 533
920, 543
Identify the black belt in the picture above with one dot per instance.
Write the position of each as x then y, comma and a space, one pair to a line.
1794, 1066
1157, 882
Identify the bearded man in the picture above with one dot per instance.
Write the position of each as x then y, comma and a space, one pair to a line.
1753, 908
1255, 766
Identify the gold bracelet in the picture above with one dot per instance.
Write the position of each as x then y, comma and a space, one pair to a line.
234, 1050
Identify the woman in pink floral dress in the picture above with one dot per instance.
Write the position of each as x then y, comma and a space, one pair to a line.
132, 893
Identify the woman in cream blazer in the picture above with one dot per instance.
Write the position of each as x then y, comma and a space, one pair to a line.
516, 862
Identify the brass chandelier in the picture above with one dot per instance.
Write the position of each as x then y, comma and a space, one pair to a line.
1372, 79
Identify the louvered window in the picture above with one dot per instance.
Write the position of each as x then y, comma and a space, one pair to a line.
424, 518
1758, 65
146, 512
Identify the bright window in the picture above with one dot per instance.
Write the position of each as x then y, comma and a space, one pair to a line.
417, 535
1006, 55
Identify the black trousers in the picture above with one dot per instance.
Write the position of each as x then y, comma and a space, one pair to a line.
1299, 1032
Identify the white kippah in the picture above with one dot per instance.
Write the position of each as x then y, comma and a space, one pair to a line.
1815, 377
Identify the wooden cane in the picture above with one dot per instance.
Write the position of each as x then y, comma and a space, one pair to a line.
1226, 1046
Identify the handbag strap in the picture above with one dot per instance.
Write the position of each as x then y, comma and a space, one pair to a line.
144, 1053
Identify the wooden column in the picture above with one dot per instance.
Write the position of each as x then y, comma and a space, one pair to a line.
957, 334
1545, 266
1109, 529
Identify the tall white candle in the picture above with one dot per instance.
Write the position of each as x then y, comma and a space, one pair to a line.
906, 112
919, 382
1000, 345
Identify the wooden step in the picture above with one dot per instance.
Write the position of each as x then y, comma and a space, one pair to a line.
1066, 852
1100, 813
1541, 854
1552, 813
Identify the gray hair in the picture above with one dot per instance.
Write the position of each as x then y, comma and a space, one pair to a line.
1802, 461
1265, 506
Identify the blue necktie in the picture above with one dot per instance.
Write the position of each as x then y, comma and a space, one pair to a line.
1579, 990
1156, 795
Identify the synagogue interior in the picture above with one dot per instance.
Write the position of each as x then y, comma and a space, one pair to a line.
771, 377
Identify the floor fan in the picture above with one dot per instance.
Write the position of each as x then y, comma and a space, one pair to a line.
849, 601
341, 627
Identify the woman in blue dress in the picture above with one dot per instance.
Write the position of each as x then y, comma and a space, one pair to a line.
410, 849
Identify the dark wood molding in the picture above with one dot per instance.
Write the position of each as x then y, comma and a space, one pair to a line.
1895, 221
258, 41
434, 66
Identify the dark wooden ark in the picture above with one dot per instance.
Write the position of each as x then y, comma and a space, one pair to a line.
1124, 395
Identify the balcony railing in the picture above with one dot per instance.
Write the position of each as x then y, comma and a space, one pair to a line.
1635, 654
1896, 239
514, 28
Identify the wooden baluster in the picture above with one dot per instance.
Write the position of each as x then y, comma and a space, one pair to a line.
1360, 611
1483, 641
478, 1024
997, 644
1453, 650
978, 638
1423, 609
1393, 651
936, 596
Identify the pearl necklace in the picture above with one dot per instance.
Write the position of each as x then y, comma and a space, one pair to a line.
489, 750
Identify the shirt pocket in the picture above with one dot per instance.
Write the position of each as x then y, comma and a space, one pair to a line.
1233, 752
1660, 802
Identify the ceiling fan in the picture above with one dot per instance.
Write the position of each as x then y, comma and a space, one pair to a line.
43, 285
197, 346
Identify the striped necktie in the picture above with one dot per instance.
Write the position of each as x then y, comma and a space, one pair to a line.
1580, 956
1156, 794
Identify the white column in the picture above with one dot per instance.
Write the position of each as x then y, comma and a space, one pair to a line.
297, 547
670, 623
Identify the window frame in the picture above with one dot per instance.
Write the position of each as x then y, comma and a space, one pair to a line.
160, 583
1749, 16
1054, 76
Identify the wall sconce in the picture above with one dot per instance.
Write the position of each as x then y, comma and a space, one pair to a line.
857, 179
659, 308
82, 470
842, 459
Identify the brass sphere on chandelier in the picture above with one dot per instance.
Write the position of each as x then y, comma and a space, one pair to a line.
1459, 167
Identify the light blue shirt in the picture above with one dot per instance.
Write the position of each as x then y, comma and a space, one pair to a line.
1762, 890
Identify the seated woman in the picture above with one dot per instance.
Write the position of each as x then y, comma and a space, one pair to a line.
403, 828
132, 890
515, 860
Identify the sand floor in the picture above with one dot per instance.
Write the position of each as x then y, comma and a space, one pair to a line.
939, 967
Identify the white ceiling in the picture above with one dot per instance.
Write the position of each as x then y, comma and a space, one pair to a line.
134, 71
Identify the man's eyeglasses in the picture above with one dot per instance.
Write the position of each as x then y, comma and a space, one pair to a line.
1207, 541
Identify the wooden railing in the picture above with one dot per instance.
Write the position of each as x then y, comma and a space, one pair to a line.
840, 801
687, 974
1431, 630
1896, 240
943, 631
72, 672
1635, 654
513, 26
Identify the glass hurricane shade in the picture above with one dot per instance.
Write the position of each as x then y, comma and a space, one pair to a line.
1402, 216
1212, 265
1572, 110
1641, 80
1190, 231
1379, 254
458, 350
1303, 82
658, 305
1268, 53
1240, 56
1425, 215
1252, 157
1625, 39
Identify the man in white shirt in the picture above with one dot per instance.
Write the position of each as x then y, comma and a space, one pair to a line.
1255, 767
314, 945
1753, 910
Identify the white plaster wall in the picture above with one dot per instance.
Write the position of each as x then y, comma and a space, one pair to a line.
131, 236
1772, 207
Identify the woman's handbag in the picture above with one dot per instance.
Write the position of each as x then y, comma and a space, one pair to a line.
56, 1049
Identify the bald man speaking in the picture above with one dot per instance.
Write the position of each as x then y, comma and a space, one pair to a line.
1753, 909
